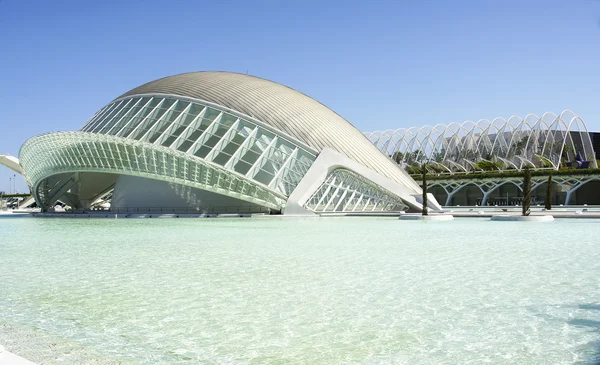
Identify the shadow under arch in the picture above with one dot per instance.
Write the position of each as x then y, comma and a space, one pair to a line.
466, 195
585, 193
440, 194
505, 193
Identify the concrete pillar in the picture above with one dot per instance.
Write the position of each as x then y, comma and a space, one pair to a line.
449, 199
485, 199
568, 198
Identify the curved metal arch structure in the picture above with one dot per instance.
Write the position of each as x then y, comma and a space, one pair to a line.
210, 133
537, 142
63, 154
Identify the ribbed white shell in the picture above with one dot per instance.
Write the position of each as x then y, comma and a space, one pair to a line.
284, 109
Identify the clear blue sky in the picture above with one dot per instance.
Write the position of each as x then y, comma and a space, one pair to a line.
379, 64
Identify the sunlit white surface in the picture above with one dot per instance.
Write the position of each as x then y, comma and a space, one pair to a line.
315, 291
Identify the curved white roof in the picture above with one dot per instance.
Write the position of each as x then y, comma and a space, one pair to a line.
282, 108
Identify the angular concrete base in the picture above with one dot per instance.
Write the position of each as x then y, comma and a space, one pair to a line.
520, 218
431, 217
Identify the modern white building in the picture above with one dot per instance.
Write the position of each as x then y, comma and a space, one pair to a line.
216, 142
546, 142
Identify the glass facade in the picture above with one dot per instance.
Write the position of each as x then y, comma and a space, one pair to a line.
208, 133
228, 139
345, 191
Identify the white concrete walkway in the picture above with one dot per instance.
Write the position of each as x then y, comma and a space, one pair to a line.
8, 358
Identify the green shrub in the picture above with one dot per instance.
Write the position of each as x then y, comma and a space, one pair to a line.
512, 173
486, 165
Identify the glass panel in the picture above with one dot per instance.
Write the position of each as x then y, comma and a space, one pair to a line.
149, 120
221, 158
230, 147
185, 145
242, 167
117, 116
164, 122
211, 114
207, 146
99, 117
183, 123
264, 176
107, 118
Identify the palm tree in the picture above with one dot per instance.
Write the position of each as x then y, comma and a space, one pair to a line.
526, 191
548, 199
424, 172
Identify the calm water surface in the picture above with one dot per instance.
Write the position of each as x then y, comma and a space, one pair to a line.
318, 291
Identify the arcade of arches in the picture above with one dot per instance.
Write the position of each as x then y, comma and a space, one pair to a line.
566, 190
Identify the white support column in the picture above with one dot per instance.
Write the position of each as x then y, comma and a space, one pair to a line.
378, 199
367, 203
329, 185
262, 159
205, 135
360, 199
341, 200
226, 138
337, 189
349, 201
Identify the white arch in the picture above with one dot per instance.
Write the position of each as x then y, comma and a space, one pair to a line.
516, 142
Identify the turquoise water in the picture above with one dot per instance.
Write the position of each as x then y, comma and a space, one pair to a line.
295, 291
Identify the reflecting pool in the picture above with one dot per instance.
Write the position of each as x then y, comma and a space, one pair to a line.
314, 291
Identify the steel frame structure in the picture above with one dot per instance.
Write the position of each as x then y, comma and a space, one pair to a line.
487, 186
345, 191
65, 153
213, 134
537, 142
